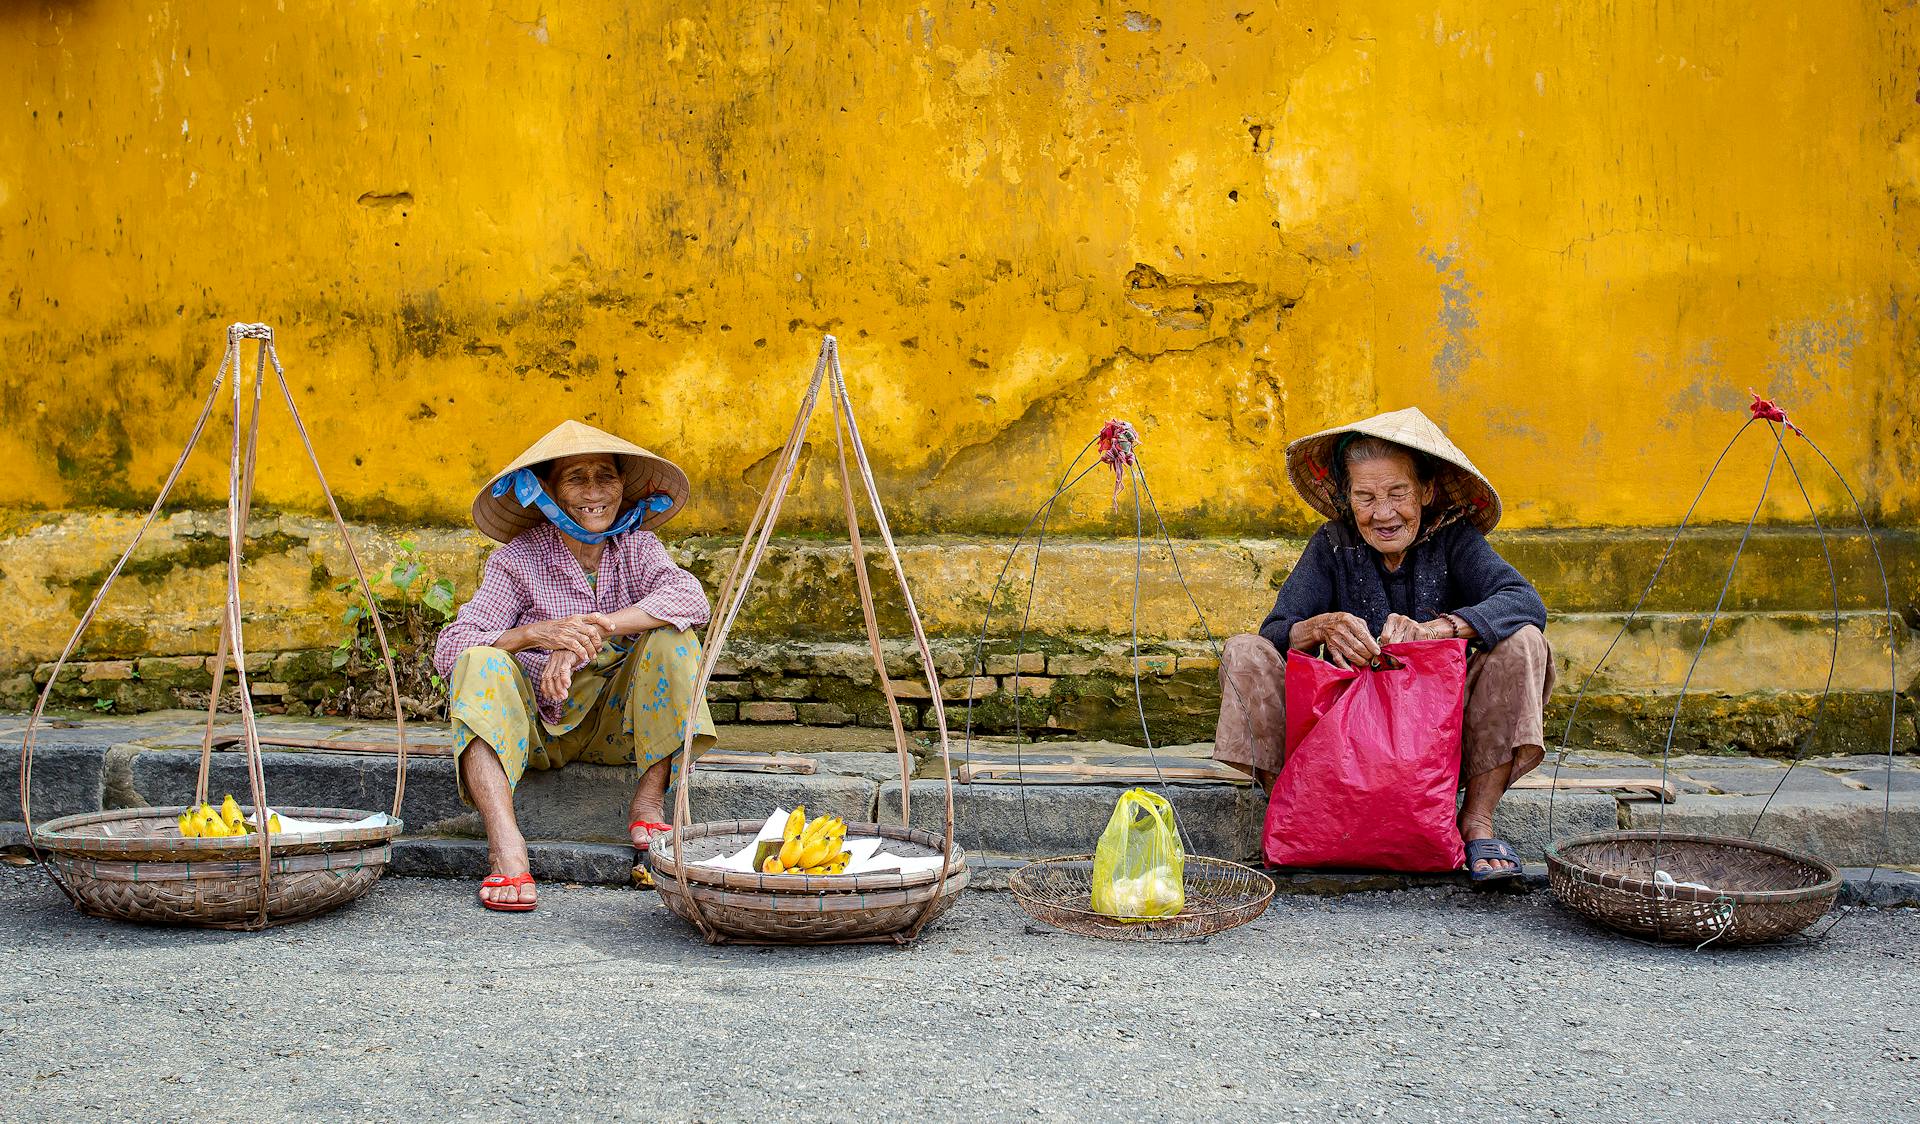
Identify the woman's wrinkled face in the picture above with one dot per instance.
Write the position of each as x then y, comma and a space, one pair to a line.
587, 488
1386, 497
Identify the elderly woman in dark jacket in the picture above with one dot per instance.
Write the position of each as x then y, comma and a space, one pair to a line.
1402, 557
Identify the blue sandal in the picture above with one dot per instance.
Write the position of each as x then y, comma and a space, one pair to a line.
1491, 850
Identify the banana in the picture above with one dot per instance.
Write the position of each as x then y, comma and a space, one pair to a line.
273, 823
796, 822
189, 825
789, 852
230, 812
772, 866
816, 852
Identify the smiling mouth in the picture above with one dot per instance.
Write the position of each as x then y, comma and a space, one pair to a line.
1389, 532
595, 510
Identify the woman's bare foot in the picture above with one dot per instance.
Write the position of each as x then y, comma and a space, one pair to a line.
649, 803
509, 857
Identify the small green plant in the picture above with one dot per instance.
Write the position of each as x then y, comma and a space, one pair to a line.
413, 605
103, 706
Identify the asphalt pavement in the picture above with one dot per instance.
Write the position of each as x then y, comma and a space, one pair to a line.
1430, 1004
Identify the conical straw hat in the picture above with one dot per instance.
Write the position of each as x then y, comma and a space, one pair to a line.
1310, 465
642, 473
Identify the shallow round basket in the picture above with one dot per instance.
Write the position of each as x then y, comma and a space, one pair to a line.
1758, 892
1221, 895
803, 908
132, 864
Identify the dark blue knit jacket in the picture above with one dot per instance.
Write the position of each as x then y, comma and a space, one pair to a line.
1455, 571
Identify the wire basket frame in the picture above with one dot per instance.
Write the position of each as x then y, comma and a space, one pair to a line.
1058, 891
733, 593
242, 460
1760, 410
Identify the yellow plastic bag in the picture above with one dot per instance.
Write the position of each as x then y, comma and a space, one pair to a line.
1139, 867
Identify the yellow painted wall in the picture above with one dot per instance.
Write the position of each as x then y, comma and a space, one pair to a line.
1573, 233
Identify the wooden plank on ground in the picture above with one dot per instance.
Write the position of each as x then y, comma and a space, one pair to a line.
1075, 772
1650, 788
714, 759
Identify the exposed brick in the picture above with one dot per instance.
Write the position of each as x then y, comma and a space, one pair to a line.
823, 714
106, 671
1153, 665
728, 690
1197, 663
1031, 686
272, 690
1029, 663
726, 667
780, 687
724, 712
258, 663
1078, 663
768, 712
175, 671
980, 688
911, 689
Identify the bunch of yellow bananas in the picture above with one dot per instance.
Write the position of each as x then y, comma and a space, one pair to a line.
810, 848
226, 821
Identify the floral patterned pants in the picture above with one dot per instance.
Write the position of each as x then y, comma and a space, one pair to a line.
630, 706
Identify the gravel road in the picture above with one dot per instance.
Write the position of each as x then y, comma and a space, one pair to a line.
1422, 1005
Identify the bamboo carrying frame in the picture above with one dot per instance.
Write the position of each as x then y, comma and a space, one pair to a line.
784, 909
208, 888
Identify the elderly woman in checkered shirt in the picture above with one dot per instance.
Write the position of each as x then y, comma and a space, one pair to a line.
578, 645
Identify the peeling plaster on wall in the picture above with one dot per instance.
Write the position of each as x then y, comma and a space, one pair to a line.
1455, 320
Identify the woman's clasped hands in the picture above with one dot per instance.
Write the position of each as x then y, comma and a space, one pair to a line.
572, 642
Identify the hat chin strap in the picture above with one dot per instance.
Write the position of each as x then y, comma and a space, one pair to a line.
529, 492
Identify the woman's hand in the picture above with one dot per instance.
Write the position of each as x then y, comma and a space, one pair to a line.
1399, 630
556, 682
1346, 637
580, 636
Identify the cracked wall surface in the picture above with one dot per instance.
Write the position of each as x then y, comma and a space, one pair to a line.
1575, 236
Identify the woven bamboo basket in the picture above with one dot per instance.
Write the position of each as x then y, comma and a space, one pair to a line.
813, 909
132, 865
1221, 895
799, 908
1758, 892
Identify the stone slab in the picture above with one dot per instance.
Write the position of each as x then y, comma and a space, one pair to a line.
1867, 762
876, 767
1220, 820
1900, 780
162, 777
1883, 888
754, 796
1845, 830
595, 864
1522, 819
68, 779
1759, 781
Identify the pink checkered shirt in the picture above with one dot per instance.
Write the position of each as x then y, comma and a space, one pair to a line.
534, 578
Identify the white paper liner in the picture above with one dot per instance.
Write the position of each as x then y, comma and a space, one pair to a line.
863, 853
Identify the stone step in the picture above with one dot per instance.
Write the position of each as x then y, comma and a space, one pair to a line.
1852, 810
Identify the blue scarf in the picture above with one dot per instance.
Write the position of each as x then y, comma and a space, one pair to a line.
529, 492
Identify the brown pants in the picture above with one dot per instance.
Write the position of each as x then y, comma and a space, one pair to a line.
1507, 689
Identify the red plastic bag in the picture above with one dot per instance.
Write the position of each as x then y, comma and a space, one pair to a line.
1373, 762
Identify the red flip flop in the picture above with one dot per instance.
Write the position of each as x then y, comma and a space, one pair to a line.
650, 826
498, 881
